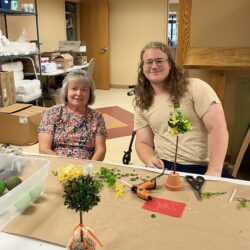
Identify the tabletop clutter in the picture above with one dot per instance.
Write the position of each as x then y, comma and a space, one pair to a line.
13, 5
70, 53
79, 186
81, 189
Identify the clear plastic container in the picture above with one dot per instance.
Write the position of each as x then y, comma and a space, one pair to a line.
33, 172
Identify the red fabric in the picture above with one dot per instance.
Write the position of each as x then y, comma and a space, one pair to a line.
163, 206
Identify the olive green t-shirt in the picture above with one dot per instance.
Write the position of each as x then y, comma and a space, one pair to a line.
193, 145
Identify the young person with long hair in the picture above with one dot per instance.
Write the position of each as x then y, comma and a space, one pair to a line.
160, 88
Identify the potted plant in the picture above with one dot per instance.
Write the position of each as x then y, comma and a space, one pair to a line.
82, 194
177, 124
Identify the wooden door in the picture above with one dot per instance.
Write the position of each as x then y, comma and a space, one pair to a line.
94, 26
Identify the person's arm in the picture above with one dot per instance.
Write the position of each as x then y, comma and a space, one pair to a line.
215, 123
144, 145
100, 148
45, 143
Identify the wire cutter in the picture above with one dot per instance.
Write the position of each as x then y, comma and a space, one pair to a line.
196, 184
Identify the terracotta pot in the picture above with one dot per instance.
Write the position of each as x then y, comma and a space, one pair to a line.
174, 182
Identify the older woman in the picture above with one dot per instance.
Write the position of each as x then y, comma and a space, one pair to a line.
72, 129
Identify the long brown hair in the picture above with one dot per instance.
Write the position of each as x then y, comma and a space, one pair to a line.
175, 84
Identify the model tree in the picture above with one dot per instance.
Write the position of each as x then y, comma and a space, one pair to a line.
82, 194
177, 124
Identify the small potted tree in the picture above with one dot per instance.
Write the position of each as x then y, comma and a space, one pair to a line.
178, 124
82, 194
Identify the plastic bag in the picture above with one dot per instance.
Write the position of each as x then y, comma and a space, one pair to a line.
88, 239
23, 36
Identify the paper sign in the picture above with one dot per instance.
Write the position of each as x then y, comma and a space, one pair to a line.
163, 206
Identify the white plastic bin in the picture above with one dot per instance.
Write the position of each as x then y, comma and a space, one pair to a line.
33, 172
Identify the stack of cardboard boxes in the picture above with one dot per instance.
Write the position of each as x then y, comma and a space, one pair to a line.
18, 122
76, 50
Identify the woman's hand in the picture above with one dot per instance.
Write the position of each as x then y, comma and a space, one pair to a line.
155, 162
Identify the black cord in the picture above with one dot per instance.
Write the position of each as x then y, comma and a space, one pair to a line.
159, 174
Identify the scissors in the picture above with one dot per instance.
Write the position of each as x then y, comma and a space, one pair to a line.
196, 184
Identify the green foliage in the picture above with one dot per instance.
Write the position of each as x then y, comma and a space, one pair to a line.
81, 193
243, 202
208, 195
106, 175
178, 123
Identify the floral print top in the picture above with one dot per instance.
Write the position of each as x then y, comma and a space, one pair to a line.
73, 135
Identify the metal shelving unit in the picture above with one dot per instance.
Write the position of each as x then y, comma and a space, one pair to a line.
6, 13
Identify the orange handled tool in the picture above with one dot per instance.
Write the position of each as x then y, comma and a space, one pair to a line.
148, 184
142, 189
142, 193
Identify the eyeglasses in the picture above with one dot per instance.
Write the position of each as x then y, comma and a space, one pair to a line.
160, 62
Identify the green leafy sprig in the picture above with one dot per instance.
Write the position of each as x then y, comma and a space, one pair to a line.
242, 202
106, 175
178, 123
208, 195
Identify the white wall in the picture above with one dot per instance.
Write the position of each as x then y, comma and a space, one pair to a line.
225, 23
222, 23
132, 25
51, 19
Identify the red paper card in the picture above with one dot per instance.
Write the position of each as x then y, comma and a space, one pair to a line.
163, 206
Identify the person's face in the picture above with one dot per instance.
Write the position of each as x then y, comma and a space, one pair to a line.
155, 65
78, 93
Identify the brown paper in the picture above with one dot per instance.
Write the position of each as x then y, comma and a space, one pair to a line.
122, 224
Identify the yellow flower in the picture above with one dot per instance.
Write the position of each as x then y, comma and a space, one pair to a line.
119, 190
69, 172
178, 123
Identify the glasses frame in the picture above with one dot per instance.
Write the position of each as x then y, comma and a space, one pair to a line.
159, 62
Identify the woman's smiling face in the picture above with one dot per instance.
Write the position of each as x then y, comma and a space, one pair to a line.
78, 93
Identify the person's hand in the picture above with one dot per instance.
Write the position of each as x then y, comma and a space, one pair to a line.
155, 162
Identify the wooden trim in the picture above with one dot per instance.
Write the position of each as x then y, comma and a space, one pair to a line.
184, 30
218, 58
218, 83
241, 154
116, 86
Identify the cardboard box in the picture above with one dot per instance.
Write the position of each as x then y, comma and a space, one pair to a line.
69, 45
64, 61
51, 55
19, 123
7, 89
80, 58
